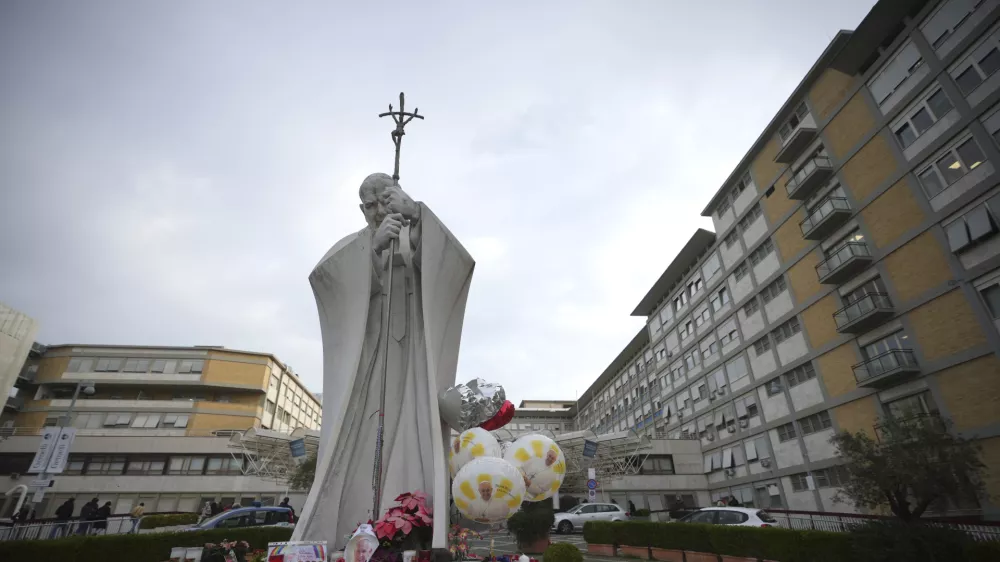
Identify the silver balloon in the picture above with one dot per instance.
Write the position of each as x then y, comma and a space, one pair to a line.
464, 406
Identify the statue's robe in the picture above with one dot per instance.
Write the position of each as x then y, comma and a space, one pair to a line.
431, 277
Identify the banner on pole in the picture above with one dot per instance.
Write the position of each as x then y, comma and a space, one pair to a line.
44, 451
60, 451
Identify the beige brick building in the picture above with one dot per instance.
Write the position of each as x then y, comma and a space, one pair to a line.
854, 272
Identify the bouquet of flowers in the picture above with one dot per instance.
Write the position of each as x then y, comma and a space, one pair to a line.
408, 525
226, 551
458, 543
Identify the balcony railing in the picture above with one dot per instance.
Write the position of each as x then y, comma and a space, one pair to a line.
864, 313
928, 419
844, 262
884, 367
813, 174
14, 402
825, 218
795, 141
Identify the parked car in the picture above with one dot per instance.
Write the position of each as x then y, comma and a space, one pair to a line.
248, 517
741, 516
571, 520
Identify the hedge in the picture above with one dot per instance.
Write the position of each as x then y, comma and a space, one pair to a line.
871, 543
145, 547
168, 520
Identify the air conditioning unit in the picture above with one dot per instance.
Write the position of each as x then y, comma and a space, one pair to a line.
722, 391
730, 472
731, 428
710, 437
744, 423
766, 463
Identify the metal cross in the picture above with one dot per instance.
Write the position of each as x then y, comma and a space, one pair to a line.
401, 118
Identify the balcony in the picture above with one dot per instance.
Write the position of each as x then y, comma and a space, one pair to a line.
796, 141
928, 419
27, 374
886, 369
809, 177
825, 218
844, 262
864, 314
14, 403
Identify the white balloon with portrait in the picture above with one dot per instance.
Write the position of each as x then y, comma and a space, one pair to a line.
541, 463
471, 444
488, 490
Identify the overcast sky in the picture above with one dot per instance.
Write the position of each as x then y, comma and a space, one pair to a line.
172, 171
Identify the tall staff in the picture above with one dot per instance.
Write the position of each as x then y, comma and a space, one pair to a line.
401, 118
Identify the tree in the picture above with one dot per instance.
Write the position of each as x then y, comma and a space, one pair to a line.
304, 474
914, 462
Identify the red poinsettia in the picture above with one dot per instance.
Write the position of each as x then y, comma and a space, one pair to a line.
400, 521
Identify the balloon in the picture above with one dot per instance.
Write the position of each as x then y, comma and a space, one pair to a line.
502, 418
488, 490
467, 405
470, 444
541, 463
362, 545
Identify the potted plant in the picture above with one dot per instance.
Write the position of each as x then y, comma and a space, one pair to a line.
406, 526
531, 526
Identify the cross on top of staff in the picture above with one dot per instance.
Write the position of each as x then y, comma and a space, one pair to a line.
401, 118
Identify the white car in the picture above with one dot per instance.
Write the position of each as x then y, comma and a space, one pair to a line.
575, 517
740, 516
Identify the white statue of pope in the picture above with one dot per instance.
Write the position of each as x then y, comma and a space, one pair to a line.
431, 277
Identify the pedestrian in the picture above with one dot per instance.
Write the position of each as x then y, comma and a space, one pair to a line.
733, 502
101, 518
216, 508
206, 512
136, 514
63, 515
87, 516
284, 503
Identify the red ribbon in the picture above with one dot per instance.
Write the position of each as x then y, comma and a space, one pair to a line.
501, 419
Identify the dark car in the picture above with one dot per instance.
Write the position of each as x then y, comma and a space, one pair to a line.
248, 517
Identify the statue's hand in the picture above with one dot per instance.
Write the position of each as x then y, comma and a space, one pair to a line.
397, 201
388, 231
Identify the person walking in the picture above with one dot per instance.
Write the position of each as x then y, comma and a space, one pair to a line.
87, 513
63, 515
216, 508
136, 514
101, 518
206, 512
284, 503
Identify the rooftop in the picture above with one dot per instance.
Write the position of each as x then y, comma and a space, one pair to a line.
701, 240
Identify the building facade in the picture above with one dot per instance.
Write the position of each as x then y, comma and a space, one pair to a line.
157, 427
855, 273
17, 336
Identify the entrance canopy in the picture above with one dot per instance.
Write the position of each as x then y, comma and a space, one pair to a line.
268, 453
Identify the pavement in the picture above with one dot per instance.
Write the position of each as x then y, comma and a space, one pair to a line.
506, 544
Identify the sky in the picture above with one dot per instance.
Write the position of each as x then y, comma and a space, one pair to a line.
170, 172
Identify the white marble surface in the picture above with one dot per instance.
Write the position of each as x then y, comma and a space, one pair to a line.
431, 279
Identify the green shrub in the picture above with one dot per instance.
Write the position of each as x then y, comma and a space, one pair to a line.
635, 533
532, 522
818, 546
641, 513
888, 541
738, 541
599, 532
983, 551
156, 521
146, 547
682, 536
562, 552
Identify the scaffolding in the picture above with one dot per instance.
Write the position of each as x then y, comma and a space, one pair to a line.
267, 454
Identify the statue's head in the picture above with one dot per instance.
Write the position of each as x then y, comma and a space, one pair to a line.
372, 200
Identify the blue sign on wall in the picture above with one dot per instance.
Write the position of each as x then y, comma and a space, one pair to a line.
298, 448
590, 449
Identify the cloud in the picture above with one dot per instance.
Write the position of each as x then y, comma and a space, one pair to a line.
172, 172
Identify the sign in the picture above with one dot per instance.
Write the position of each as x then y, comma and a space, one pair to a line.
592, 494
45, 446
41, 483
60, 452
298, 448
297, 551
38, 496
591, 484
590, 449
591, 473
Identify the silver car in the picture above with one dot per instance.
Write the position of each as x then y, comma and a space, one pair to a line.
569, 521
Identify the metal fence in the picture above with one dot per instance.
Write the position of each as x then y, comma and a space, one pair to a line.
841, 523
116, 525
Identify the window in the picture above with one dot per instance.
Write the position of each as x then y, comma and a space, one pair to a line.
991, 295
702, 317
117, 420
720, 299
948, 17
741, 185
746, 407
712, 266
724, 205
136, 365
800, 374
186, 465
895, 72
709, 347
786, 432
895, 341
833, 477
816, 422
274, 381
793, 122
752, 215
751, 307
73, 466
729, 337
731, 239
982, 63
658, 464
787, 330
695, 286
776, 287
921, 116
976, 225
691, 360
81, 365
686, 330
873, 287
762, 251
911, 406
757, 449
737, 369
957, 161
105, 464
191, 366
800, 482
773, 388
762, 345
108, 365
224, 465
146, 467
146, 421
175, 420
